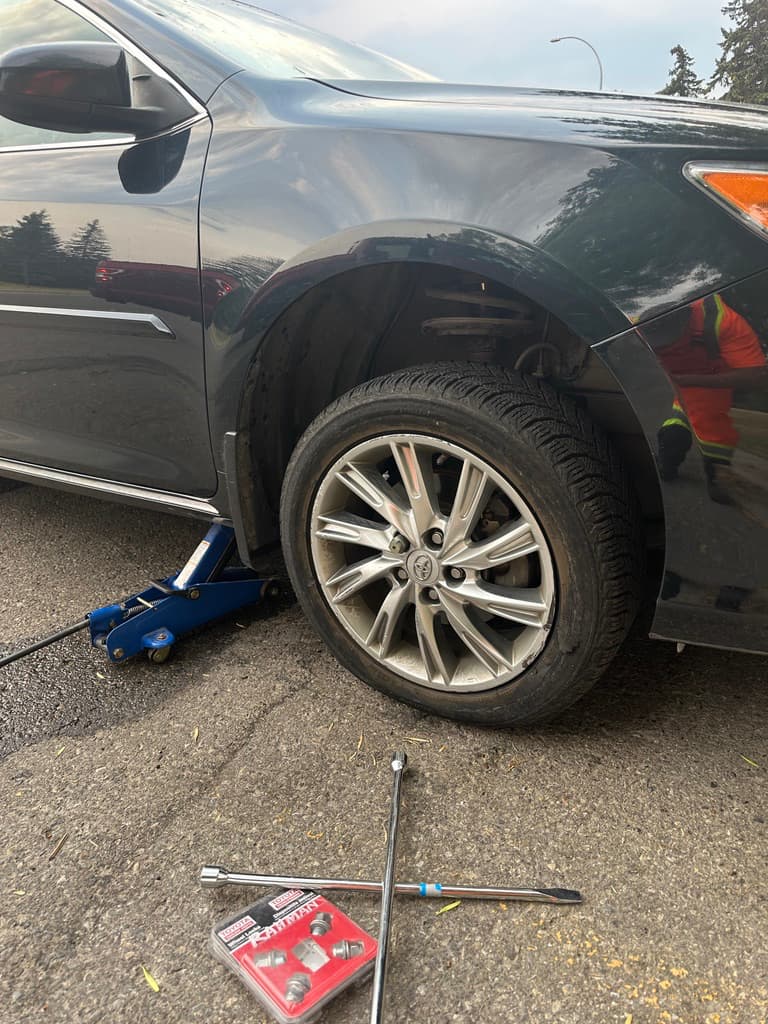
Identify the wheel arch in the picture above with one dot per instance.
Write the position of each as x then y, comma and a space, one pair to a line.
337, 315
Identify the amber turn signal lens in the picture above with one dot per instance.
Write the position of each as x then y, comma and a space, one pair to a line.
745, 190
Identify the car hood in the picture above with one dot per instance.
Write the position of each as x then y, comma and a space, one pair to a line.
619, 117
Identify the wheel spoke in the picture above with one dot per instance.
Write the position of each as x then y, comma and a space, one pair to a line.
371, 487
386, 625
348, 528
477, 637
473, 490
526, 606
415, 469
354, 578
515, 540
439, 661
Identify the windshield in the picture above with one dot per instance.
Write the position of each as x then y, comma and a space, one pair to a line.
274, 47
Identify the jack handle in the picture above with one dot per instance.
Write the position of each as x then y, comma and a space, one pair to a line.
68, 631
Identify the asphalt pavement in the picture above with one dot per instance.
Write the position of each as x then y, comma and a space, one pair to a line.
253, 749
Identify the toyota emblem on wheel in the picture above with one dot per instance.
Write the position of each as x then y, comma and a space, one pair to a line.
422, 567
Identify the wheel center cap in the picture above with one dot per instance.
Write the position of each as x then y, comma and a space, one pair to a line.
423, 567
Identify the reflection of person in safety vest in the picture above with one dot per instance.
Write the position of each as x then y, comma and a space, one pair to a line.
708, 350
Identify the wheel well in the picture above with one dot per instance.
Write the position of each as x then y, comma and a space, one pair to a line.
373, 320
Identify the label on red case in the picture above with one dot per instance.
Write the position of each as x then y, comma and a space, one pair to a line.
295, 950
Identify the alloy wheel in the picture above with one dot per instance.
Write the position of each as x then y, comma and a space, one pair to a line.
433, 562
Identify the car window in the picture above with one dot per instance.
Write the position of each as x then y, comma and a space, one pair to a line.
275, 47
29, 23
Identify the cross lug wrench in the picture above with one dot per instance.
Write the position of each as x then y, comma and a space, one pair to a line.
398, 764
212, 877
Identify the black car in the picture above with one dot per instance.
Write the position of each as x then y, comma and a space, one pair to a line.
469, 353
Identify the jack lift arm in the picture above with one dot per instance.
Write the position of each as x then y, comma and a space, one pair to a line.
204, 590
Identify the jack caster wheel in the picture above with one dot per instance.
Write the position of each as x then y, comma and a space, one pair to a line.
159, 655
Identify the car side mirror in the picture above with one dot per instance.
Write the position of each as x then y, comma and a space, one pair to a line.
76, 87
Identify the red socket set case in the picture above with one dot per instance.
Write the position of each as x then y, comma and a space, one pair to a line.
295, 951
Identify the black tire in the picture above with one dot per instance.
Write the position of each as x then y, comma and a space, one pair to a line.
567, 472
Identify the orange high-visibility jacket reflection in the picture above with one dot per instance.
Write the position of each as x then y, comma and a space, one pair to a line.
715, 340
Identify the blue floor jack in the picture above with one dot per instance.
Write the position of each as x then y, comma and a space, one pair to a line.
207, 588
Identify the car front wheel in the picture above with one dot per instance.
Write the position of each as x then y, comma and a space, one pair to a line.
464, 539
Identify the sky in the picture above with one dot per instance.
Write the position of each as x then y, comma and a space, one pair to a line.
506, 42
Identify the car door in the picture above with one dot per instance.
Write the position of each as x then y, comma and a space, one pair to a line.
101, 318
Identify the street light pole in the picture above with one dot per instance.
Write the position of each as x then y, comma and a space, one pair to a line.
559, 39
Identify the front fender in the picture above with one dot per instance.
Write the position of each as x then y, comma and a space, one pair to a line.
303, 181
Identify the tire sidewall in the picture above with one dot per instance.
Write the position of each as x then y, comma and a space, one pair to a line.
514, 454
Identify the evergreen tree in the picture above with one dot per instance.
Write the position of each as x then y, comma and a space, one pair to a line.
5, 241
742, 68
682, 76
89, 243
32, 247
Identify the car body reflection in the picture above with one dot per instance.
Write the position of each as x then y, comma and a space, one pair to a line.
161, 286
